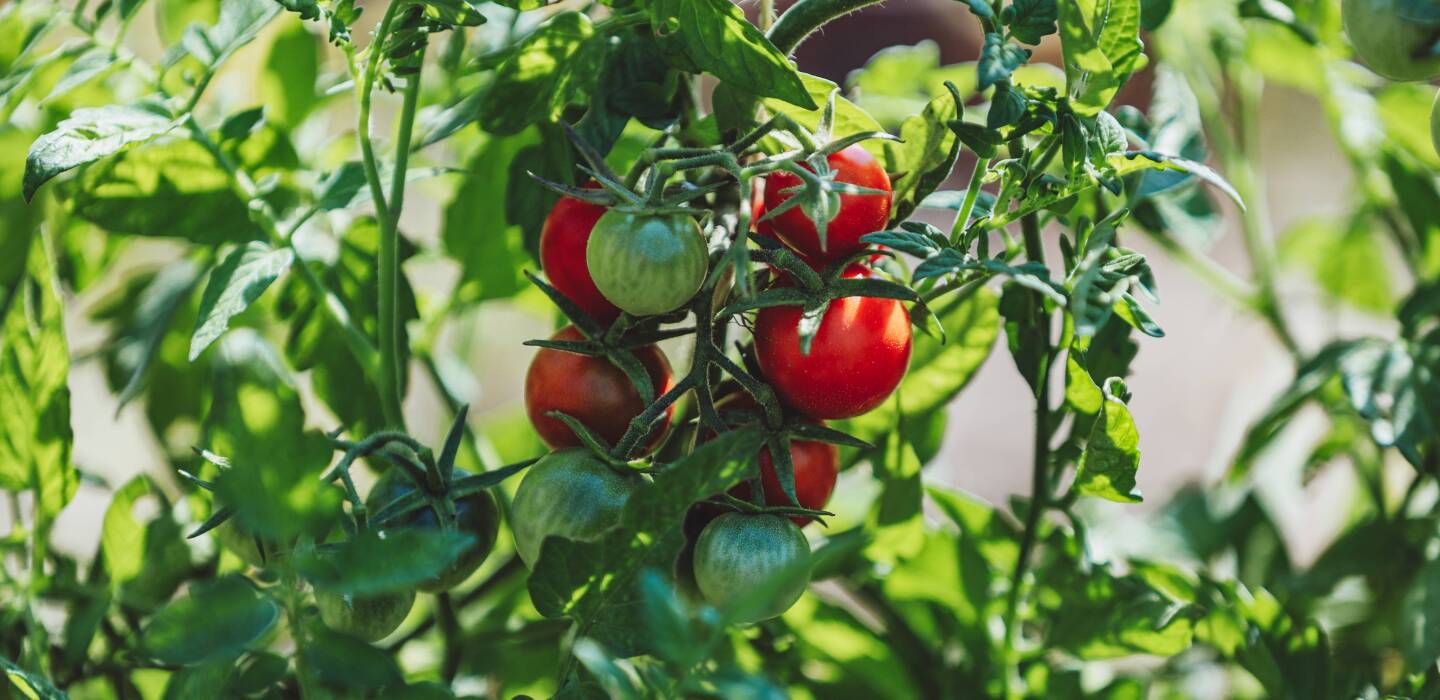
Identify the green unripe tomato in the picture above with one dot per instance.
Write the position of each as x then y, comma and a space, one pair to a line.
646, 264
1394, 37
475, 514
738, 555
370, 618
568, 493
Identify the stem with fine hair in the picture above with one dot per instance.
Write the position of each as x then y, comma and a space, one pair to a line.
806, 16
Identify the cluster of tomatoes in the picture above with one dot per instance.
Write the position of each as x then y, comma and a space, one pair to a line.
607, 261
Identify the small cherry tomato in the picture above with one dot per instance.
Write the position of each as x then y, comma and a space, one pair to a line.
593, 391
738, 555
646, 263
475, 514
856, 359
571, 494
370, 618
859, 213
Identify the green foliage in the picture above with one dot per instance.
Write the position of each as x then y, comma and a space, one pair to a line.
232, 260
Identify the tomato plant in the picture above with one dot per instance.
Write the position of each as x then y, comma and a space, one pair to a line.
270, 271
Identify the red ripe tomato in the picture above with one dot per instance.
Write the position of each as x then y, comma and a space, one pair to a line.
816, 466
859, 213
562, 255
593, 391
856, 360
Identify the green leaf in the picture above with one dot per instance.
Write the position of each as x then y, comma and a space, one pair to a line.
1310, 378
170, 190
373, 562
1098, 615
596, 584
88, 66
1419, 631
1032, 20
88, 135
475, 231
256, 420
35, 433
1128, 163
1100, 41
234, 284
924, 156
342, 661
1081, 392
848, 119
31, 685
145, 550
240, 21
717, 39
544, 73
998, 59
287, 84
1344, 260
220, 617
1112, 455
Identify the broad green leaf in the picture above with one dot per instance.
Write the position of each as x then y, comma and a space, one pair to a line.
1128, 163
1101, 44
1081, 392
1419, 631
239, 22
475, 232
373, 562
1405, 111
287, 85
348, 663
1343, 259
717, 39
217, 618
172, 190
145, 550
145, 316
998, 59
545, 72
234, 284
895, 523
35, 433
924, 156
256, 420
88, 135
596, 583
86, 67
30, 685
1112, 454
173, 16
1310, 378
1098, 615
849, 118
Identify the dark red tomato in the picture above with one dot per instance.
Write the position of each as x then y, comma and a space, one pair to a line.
592, 391
816, 466
859, 213
856, 360
562, 255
